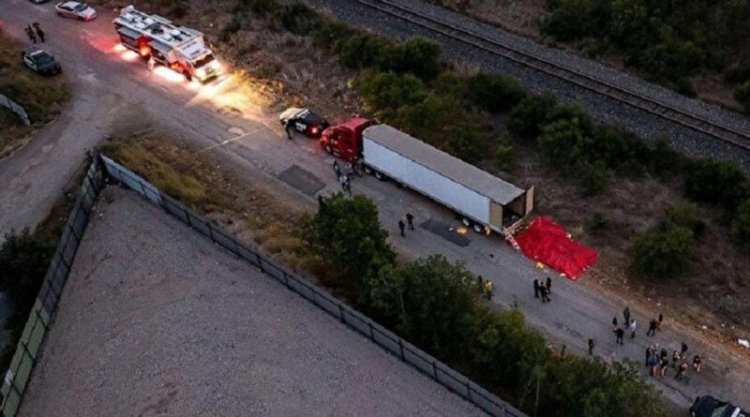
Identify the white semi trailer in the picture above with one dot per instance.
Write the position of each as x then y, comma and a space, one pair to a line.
484, 202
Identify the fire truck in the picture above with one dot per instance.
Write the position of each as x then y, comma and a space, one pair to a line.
162, 42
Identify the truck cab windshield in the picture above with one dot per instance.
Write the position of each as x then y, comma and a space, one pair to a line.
203, 61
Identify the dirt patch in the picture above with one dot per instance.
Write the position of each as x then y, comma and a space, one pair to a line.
43, 97
248, 209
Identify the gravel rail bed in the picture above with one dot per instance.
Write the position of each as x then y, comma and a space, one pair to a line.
157, 320
603, 109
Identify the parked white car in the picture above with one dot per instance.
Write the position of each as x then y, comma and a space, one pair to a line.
75, 10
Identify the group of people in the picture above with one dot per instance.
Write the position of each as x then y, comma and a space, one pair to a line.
344, 175
543, 290
409, 223
34, 31
658, 361
629, 324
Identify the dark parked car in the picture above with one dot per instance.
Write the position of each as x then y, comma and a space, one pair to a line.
40, 61
708, 406
304, 121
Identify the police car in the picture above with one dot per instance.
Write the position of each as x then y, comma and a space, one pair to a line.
303, 121
708, 406
75, 10
40, 61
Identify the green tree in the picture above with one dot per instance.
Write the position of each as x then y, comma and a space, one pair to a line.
346, 235
432, 303
384, 93
494, 93
687, 215
714, 182
528, 116
467, 142
420, 57
362, 50
661, 252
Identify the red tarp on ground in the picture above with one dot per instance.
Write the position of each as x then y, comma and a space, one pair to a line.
547, 242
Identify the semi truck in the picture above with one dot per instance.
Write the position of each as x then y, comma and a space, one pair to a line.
482, 201
162, 42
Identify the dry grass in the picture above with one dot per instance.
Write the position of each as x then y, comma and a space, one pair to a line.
42, 97
248, 209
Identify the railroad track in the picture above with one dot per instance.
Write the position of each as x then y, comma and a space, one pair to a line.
630, 98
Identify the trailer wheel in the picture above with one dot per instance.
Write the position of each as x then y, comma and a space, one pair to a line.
379, 175
466, 222
368, 170
478, 228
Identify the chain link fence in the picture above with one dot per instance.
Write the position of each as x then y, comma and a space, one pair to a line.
19, 372
386, 339
103, 168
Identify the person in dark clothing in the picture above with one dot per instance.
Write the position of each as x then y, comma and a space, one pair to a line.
619, 332
536, 288
697, 360
591, 346
321, 203
39, 32
661, 319
675, 359
683, 349
27, 29
681, 370
31, 33
548, 285
650, 351
543, 293
663, 365
289, 135
401, 227
652, 327
626, 315
336, 168
652, 363
410, 221
614, 322
348, 185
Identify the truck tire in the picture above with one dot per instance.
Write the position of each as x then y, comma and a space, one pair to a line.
466, 222
380, 176
478, 228
368, 170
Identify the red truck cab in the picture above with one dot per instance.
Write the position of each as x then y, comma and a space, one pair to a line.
345, 140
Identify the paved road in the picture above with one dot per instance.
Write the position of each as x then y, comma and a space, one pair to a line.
112, 94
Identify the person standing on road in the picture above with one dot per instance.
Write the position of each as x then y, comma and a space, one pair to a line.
683, 349
653, 363
631, 328
336, 168
27, 29
663, 365
661, 319
614, 322
697, 359
488, 289
548, 285
39, 31
410, 221
652, 327
543, 293
681, 370
626, 316
536, 288
591, 346
348, 184
401, 227
31, 33
675, 359
619, 333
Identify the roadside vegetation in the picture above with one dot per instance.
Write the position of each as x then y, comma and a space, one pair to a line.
25, 256
43, 97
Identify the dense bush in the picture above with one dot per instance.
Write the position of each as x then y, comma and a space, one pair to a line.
298, 18
669, 41
714, 182
528, 116
687, 215
742, 94
346, 229
230, 28
661, 252
494, 93
741, 225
